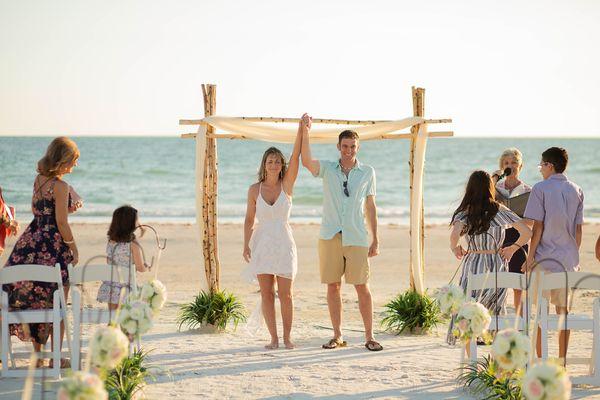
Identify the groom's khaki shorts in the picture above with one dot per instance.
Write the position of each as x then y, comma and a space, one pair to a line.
336, 261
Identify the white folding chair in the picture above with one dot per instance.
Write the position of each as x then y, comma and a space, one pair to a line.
93, 315
552, 322
505, 280
54, 315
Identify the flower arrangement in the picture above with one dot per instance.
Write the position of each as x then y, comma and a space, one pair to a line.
135, 317
472, 320
450, 298
82, 386
511, 349
546, 381
155, 294
109, 346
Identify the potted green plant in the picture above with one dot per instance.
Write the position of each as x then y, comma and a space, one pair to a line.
417, 313
212, 312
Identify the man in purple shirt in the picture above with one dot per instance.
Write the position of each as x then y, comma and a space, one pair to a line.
556, 207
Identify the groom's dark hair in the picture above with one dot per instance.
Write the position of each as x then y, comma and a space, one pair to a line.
347, 134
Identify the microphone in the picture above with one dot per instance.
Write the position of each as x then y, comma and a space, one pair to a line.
507, 172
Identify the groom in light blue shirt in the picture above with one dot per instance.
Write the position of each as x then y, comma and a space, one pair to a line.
344, 249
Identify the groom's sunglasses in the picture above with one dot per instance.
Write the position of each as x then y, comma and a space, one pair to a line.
345, 185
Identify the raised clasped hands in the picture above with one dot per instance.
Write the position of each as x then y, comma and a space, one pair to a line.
305, 122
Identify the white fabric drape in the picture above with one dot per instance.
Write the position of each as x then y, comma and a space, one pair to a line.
286, 133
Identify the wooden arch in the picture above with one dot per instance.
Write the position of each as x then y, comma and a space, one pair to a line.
207, 179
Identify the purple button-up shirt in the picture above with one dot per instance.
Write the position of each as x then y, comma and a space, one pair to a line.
558, 203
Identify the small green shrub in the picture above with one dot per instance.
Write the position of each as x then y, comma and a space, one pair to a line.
215, 308
413, 311
129, 377
486, 381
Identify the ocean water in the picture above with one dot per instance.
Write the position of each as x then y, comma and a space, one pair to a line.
156, 174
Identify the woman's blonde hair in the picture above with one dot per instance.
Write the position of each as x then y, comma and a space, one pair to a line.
61, 151
512, 152
262, 172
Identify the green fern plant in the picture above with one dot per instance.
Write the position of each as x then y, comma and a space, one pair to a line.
417, 313
129, 377
486, 381
214, 308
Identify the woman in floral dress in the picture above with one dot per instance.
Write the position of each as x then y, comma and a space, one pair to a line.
48, 239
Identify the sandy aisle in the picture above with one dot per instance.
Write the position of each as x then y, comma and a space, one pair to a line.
235, 365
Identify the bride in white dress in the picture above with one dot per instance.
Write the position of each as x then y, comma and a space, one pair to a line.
269, 246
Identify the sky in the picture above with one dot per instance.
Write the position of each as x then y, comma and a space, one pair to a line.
497, 68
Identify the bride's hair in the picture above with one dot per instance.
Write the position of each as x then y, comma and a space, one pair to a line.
479, 203
262, 172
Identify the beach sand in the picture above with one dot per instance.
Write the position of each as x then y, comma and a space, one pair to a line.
235, 365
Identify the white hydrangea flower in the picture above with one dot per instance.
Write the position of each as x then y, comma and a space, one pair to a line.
154, 293
109, 346
82, 386
450, 298
546, 381
472, 319
511, 349
135, 317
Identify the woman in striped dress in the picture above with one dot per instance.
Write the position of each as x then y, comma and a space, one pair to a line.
483, 222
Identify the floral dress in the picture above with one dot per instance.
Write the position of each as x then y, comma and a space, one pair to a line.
119, 254
41, 244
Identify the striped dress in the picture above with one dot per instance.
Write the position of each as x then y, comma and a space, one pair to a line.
483, 263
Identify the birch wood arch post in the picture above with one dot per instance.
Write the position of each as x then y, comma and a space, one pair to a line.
206, 190
214, 127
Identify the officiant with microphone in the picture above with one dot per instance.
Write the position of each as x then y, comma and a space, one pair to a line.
513, 193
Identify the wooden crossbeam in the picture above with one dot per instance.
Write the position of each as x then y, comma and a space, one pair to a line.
315, 120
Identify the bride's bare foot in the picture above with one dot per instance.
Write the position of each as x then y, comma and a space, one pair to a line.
289, 344
273, 345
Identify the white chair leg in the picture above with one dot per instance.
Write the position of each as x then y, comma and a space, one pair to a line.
56, 354
10, 352
5, 332
595, 361
473, 350
76, 346
544, 329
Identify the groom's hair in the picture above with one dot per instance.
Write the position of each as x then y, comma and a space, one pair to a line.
347, 134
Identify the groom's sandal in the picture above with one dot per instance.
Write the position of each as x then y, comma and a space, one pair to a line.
372, 345
335, 343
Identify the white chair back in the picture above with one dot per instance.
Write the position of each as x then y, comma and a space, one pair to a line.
101, 272
571, 280
491, 280
38, 273
30, 272
95, 315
